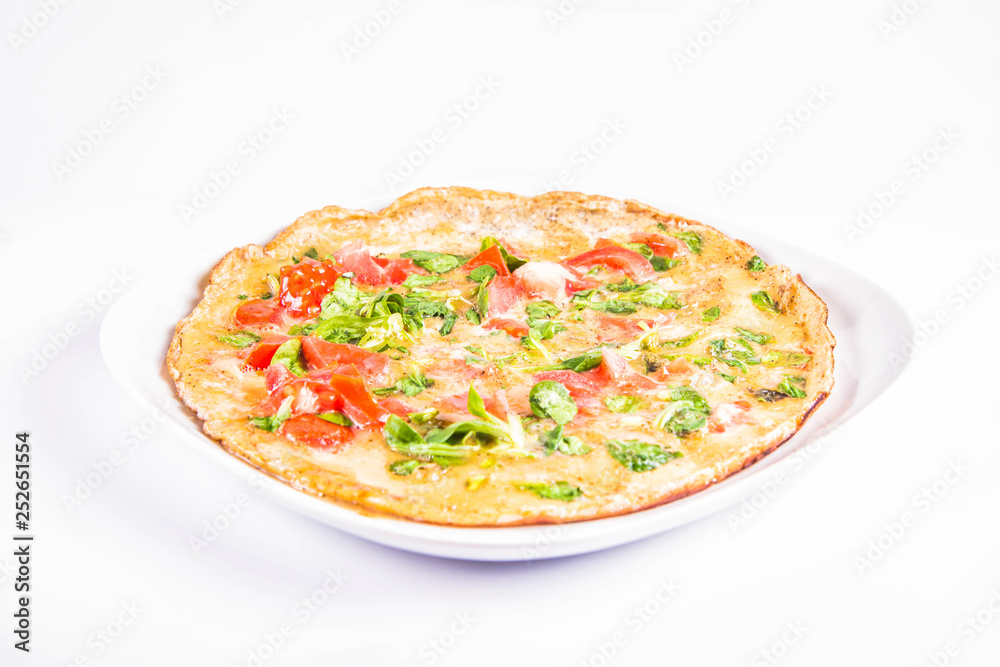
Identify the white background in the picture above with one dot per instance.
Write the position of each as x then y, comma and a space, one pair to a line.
684, 128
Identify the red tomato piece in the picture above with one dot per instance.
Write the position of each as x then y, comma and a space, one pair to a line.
615, 371
260, 355
357, 402
315, 432
304, 285
374, 271
615, 257
489, 257
321, 354
661, 244
396, 407
578, 385
503, 294
513, 327
397, 270
257, 312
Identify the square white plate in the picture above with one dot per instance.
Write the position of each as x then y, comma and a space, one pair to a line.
867, 322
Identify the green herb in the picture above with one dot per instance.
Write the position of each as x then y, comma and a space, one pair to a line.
242, 297
756, 264
654, 296
614, 306
793, 386
678, 343
533, 341
550, 399
640, 248
584, 362
448, 324
623, 285
383, 304
265, 296
557, 441
623, 404
764, 302
482, 272
511, 261
692, 240
663, 263
336, 418
542, 310
417, 280
289, 355
240, 339
483, 298
405, 467
274, 422
310, 253
696, 359
769, 395
547, 329
727, 377
435, 262
344, 299
711, 314
423, 416
375, 333
774, 359
688, 412
559, 491
404, 439
420, 306
734, 352
472, 316
639, 456
411, 385
759, 338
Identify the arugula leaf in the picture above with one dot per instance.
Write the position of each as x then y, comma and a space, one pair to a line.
405, 467
774, 359
711, 314
693, 358
417, 280
584, 362
764, 302
623, 285
344, 299
688, 412
404, 439
639, 456
689, 394
559, 491
509, 434
420, 306
448, 324
533, 341
423, 416
756, 264
435, 262
734, 352
274, 422
692, 240
410, 385
663, 263
336, 418
483, 297
556, 441
542, 310
759, 338
793, 386
511, 261
383, 304
731, 379
482, 272
547, 329
640, 248
678, 343
623, 404
289, 355
473, 316
240, 339
614, 306
551, 399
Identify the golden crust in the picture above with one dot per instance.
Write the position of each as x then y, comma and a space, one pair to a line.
553, 225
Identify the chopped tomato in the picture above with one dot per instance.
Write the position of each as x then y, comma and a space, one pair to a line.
661, 244
503, 293
277, 376
321, 354
489, 257
357, 402
396, 407
614, 256
322, 391
577, 384
374, 271
257, 312
315, 432
615, 371
513, 327
260, 355
304, 285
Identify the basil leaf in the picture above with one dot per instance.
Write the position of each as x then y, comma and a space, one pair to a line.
731, 379
274, 422
475, 404
473, 316
692, 240
623, 285
623, 404
559, 491
411, 385
734, 352
511, 261
448, 324
688, 412
542, 310
793, 386
556, 441
764, 302
759, 338
417, 280
756, 264
640, 248
550, 399
584, 362
240, 339
639, 456
482, 272
435, 262
405, 467
419, 306
614, 306
711, 314
547, 329
663, 263
336, 418
344, 299
689, 394
404, 439
289, 355
678, 343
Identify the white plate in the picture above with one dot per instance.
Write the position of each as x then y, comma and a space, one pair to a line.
867, 322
